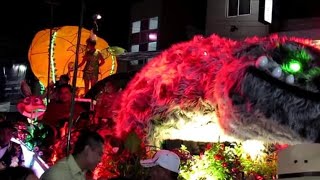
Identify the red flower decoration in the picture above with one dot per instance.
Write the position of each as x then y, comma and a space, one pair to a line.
218, 157
208, 146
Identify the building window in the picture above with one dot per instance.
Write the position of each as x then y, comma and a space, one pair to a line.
144, 35
136, 26
152, 46
135, 48
153, 23
135, 62
239, 7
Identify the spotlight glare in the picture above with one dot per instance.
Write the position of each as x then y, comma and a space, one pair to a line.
22, 67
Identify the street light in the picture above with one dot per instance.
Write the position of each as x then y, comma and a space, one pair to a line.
97, 17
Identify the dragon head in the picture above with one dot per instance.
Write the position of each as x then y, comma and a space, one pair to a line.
272, 91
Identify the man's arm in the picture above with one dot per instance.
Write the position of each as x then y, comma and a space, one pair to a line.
84, 59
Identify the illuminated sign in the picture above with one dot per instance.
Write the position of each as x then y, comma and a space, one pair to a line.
268, 10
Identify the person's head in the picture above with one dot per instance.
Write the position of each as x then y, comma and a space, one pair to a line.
18, 173
89, 148
6, 132
164, 165
159, 173
91, 44
109, 87
65, 93
64, 79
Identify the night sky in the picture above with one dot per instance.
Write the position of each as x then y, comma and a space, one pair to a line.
292, 9
21, 20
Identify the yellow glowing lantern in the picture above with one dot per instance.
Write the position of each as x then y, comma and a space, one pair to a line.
62, 54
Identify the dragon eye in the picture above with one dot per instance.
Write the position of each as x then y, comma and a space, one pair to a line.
37, 101
27, 100
293, 66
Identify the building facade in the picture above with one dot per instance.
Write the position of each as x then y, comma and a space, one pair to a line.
297, 18
157, 24
236, 19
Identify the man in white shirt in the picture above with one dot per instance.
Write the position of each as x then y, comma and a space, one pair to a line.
87, 154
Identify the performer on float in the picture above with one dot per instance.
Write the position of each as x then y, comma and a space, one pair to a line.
92, 60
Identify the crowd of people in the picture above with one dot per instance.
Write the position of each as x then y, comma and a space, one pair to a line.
89, 146
11, 156
86, 155
87, 151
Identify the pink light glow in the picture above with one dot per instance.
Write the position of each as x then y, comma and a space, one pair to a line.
153, 36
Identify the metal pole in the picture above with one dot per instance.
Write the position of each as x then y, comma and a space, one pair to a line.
50, 51
74, 79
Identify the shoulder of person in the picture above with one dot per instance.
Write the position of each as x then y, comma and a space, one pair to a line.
55, 172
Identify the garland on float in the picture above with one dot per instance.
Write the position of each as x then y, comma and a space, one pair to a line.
51, 56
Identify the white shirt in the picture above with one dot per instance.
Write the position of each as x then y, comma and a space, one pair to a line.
65, 169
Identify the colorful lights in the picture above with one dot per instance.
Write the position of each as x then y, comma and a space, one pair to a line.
51, 56
113, 65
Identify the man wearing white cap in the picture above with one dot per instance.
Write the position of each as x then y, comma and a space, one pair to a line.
164, 165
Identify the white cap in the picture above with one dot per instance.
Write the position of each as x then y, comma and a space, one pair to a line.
164, 158
299, 162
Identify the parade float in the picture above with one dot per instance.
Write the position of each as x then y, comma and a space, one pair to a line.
240, 101
50, 57
60, 48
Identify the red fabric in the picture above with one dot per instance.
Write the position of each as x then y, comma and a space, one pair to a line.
57, 111
104, 105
